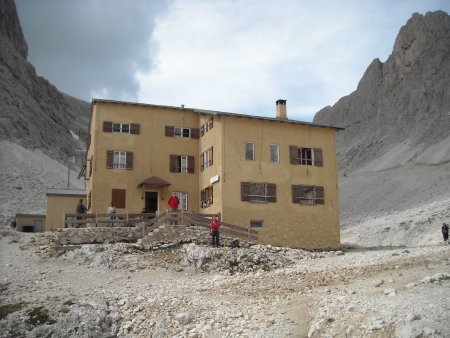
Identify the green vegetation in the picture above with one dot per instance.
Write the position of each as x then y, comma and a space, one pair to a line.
39, 316
7, 309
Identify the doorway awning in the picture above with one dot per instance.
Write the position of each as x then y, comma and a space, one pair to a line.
153, 182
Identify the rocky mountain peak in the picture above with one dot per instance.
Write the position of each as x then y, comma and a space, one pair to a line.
10, 29
402, 101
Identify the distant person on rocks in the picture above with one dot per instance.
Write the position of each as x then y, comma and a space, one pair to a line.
81, 209
214, 231
445, 231
111, 212
173, 202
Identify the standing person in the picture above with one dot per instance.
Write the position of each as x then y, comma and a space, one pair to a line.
445, 231
173, 202
81, 209
214, 231
111, 212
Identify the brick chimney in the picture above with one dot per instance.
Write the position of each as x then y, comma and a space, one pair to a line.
281, 109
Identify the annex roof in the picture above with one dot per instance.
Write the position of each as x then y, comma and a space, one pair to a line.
154, 182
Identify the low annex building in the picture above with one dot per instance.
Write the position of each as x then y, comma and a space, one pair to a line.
275, 175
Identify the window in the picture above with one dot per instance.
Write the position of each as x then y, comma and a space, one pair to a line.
207, 159
206, 127
274, 153
182, 132
183, 197
306, 156
181, 164
118, 198
206, 197
258, 192
256, 223
119, 160
128, 128
308, 194
249, 151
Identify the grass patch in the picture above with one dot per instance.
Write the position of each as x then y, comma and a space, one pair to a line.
7, 309
3, 288
39, 316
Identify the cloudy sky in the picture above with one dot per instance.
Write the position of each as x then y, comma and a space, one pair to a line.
236, 56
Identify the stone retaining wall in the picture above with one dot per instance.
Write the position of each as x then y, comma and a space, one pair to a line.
98, 235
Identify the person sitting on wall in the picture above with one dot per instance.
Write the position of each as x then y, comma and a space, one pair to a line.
173, 202
214, 231
81, 209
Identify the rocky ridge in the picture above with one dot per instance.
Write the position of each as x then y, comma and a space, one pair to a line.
403, 101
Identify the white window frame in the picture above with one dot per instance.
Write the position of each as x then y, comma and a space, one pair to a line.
277, 148
247, 151
121, 127
180, 132
184, 163
183, 197
120, 160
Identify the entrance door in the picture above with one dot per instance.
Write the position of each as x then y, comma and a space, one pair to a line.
151, 201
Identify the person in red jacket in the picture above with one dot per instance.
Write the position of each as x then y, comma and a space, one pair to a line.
174, 202
214, 226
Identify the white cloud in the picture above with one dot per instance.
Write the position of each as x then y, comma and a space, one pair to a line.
241, 57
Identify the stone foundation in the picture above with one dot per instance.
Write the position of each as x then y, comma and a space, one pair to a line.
98, 235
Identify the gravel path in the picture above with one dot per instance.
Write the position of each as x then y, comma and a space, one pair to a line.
360, 292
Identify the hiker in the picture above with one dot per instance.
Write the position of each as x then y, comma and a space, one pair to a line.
111, 212
81, 209
445, 231
214, 231
173, 202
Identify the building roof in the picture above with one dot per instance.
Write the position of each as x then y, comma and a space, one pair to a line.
215, 112
65, 192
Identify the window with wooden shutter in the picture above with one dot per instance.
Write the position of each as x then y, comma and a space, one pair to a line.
173, 163
118, 198
191, 164
308, 194
271, 193
245, 191
129, 160
135, 128
206, 197
258, 192
195, 133
109, 159
318, 157
170, 131
181, 164
319, 195
119, 160
293, 155
107, 126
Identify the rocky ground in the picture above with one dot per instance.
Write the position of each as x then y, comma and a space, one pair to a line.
193, 290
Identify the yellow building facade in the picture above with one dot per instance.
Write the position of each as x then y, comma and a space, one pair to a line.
275, 175
59, 203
